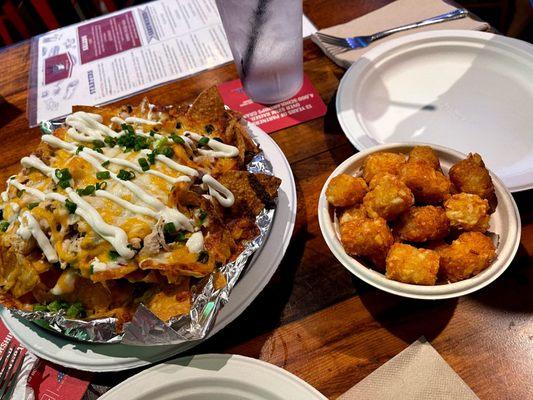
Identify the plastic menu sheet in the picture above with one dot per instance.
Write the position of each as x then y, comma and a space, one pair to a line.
123, 53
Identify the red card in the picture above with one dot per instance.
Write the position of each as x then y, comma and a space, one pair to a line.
304, 106
47, 382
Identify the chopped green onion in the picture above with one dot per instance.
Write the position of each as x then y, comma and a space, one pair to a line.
64, 184
75, 310
86, 191
39, 307
80, 148
177, 139
106, 163
202, 216
63, 174
71, 206
57, 305
152, 133
110, 141
151, 157
144, 164
20, 193
98, 143
167, 152
128, 128
113, 255
203, 141
209, 129
203, 257
181, 237
91, 269
31, 206
98, 150
169, 227
101, 185
4, 225
103, 175
125, 175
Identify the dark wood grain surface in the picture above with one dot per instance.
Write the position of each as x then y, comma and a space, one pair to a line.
314, 318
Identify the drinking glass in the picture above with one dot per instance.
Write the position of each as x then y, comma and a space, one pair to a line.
265, 37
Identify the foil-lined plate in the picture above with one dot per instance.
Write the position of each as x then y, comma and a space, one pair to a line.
145, 328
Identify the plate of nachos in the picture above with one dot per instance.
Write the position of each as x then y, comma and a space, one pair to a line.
130, 207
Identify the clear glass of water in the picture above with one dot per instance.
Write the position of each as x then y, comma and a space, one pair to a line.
265, 37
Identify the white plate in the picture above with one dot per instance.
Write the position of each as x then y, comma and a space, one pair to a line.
468, 90
214, 376
117, 357
505, 222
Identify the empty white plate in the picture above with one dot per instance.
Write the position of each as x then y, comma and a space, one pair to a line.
468, 90
214, 376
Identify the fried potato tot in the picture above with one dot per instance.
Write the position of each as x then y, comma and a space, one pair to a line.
471, 176
408, 264
367, 237
424, 153
428, 185
422, 224
345, 190
388, 197
468, 212
468, 255
382, 163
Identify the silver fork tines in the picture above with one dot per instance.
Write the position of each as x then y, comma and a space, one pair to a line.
10, 365
357, 42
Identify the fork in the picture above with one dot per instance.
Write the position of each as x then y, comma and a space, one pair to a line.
10, 365
363, 41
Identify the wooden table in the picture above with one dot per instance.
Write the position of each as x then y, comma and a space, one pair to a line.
314, 318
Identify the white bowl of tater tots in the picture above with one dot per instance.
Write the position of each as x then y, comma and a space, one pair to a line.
419, 220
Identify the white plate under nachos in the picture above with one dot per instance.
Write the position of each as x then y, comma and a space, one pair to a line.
504, 222
117, 357
468, 90
214, 376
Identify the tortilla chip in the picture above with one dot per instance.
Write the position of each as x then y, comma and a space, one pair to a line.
253, 192
208, 109
171, 301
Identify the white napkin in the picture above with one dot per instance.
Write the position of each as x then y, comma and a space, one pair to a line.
400, 12
417, 373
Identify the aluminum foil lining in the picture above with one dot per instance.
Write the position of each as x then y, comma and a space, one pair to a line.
146, 329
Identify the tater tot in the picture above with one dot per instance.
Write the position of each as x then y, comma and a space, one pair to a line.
471, 176
353, 213
467, 212
382, 163
425, 153
422, 224
367, 237
345, 190
467, 256
388, 197
408, 264
428, 185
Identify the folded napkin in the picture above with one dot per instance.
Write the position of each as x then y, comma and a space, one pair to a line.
417, 373
400, 12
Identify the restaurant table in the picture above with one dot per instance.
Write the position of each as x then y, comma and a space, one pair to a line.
314, 318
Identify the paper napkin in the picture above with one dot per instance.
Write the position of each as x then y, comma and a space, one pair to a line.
399, 12
417, 373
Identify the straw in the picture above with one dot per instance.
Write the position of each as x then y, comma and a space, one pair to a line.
256, 27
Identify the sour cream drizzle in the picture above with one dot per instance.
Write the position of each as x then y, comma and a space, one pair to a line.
28, 224
114, 235
218, 191
218, 149
87, 127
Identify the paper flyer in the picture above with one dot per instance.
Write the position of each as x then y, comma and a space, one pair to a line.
119, 54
